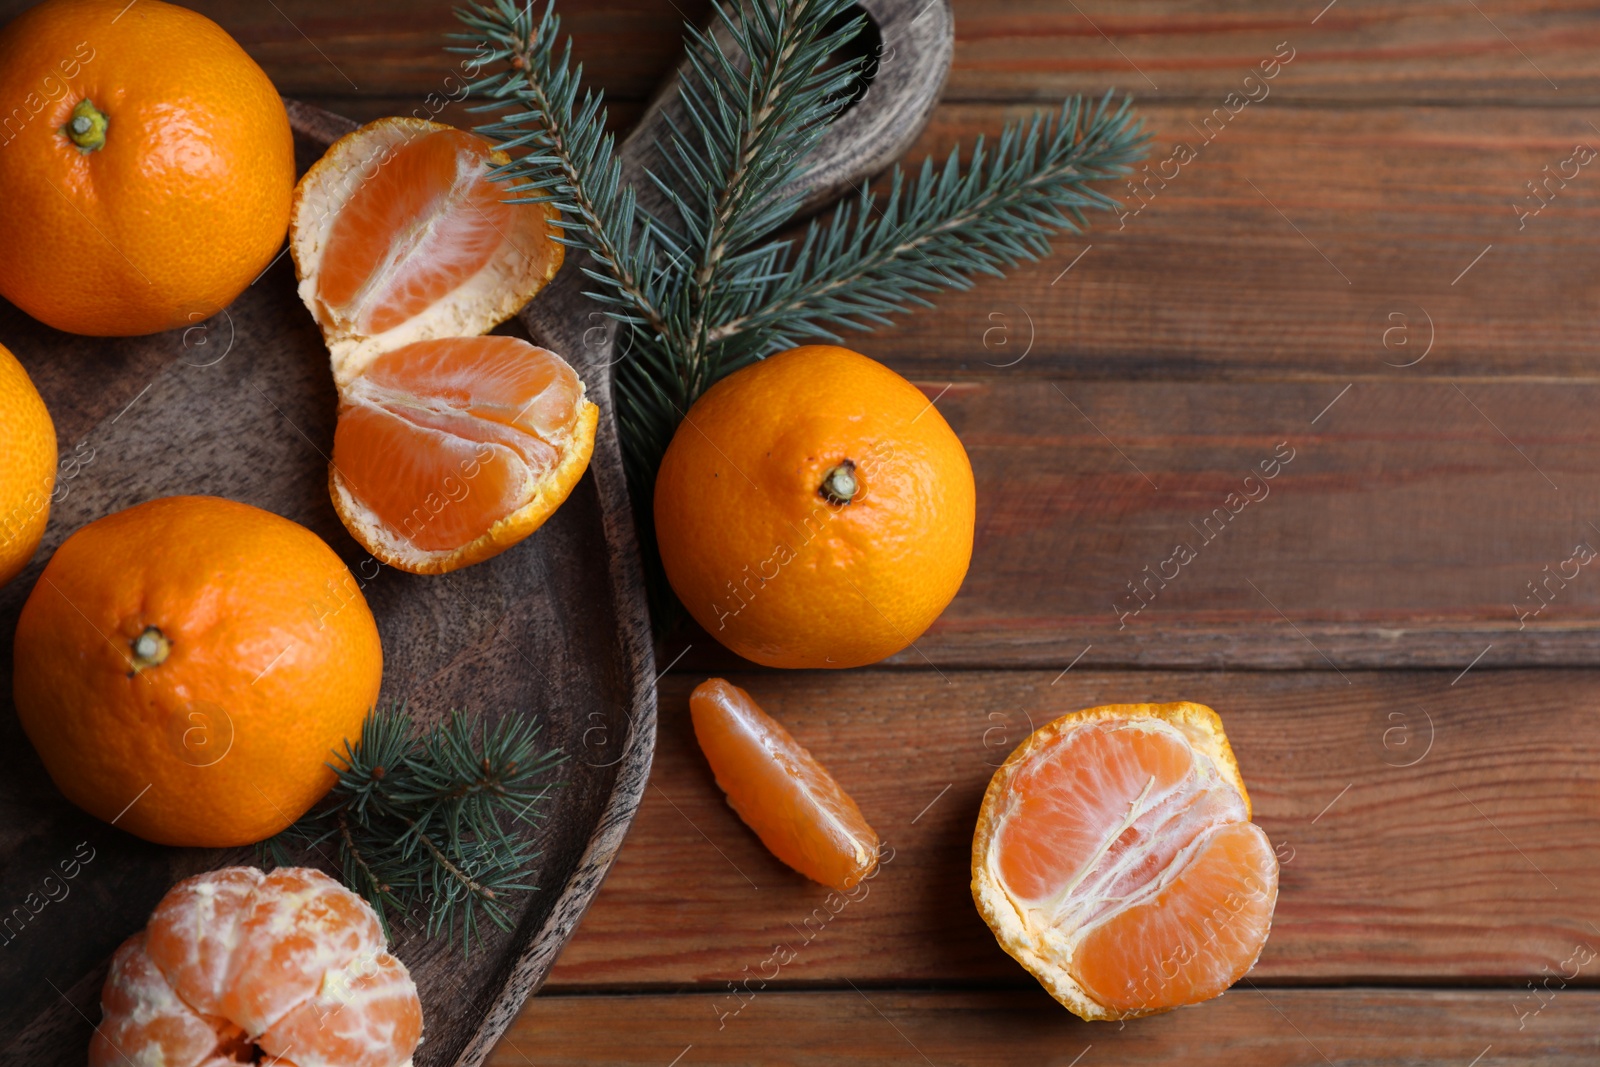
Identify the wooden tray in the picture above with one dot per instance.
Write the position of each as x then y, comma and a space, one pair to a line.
242, 406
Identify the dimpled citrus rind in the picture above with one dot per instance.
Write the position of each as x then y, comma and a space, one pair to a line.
28, 474
273, 661
185, 204
770, 568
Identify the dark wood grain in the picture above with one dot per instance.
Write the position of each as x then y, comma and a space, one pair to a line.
1037, 50
1396, 142
870, 1027
1426, 830
1299, 243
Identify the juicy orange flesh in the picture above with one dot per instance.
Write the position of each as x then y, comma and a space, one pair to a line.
289, 964
420, 221
1192, 940
442, 439
780, 790
1124, 831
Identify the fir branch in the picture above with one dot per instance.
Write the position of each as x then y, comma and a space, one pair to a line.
427, 821
869, 261
709, 290
755, 107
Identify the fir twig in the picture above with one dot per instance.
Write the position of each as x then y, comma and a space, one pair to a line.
755, 107
428, 822
871, 260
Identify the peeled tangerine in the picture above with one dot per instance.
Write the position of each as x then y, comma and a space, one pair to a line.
287, 968
794, 805
1115, 859
451, 446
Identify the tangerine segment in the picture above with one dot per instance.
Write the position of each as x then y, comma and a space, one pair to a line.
194, 930
794, 805
1194, 938
362, 1012
424, 222
141, 1012
451, 450
1115, 859
399, 234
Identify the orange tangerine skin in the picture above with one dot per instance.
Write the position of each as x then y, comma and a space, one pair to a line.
793, 804
273, 662
28, 472
186, 202
771, 568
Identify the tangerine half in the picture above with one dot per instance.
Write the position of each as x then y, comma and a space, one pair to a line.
1115, 859
399, 235
452, 450
800, 811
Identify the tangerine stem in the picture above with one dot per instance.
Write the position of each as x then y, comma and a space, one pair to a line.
150, 649
87, 126
840, 483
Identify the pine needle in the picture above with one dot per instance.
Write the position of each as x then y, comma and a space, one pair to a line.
430, 824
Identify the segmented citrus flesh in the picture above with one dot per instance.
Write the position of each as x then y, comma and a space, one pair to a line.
235, 964
780, 790
451, 450
1115, 858
399, 234
425, 221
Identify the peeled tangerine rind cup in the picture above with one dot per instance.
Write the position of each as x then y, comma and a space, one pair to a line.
451, 446
1115, 859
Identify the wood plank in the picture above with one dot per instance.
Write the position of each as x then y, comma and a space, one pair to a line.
1297, 243
865, 1027
1350, 50
1358, 50
1208, 278
1405, 530
1476, 862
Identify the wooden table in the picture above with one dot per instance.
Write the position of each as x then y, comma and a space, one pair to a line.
1400, 630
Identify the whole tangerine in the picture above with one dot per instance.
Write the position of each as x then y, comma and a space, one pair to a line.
186, 669
815, 510
146, 166
28, 473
